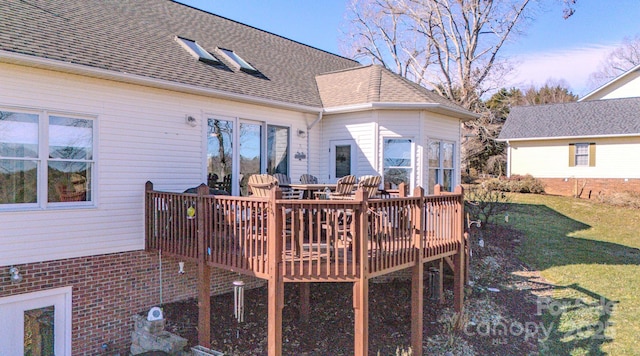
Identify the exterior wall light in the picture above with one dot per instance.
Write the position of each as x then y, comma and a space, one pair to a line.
15, 277
191, 121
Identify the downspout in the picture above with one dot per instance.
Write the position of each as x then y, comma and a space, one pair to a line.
508, 159
309, 127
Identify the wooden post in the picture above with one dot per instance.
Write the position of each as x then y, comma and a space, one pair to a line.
402, 190
204, 274
417, 276
276, 281
148, 213
361, 287
458, 259
305, 293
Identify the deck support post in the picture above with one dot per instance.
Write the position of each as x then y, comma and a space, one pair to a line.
276, 280
417, 277
204, 304
361, 287
361, 317
204, 275
459, 264
305, 293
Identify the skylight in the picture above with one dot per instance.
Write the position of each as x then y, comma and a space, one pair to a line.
197, 51
235, 58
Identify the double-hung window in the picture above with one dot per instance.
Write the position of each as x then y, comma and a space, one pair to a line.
441, 167
582, 154
398, 161
45, 159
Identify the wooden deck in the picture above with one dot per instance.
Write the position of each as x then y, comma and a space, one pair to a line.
285, 240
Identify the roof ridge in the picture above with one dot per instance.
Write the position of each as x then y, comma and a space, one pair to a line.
375, 84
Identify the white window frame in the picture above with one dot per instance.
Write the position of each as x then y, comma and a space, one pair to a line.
581, 147
412, 154
439, 179
43, 159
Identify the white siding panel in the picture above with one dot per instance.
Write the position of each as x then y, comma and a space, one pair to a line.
361, 128
615, 158
142, 136
630, 89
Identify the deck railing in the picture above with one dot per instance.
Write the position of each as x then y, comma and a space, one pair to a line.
309, 240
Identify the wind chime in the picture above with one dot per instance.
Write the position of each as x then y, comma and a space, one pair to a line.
238, 303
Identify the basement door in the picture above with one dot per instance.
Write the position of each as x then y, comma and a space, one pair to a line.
36, 323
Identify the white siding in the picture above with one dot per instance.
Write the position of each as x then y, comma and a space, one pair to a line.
615, 158
142, 136
440, 128
627, 88
361, 128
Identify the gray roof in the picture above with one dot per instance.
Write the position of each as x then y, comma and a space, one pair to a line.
372, 84
137, 37
610, 117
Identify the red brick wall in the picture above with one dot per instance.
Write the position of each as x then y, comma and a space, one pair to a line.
592, 186
109, 289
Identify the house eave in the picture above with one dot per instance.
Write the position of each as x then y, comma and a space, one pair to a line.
608, 84
566, 137
432, 107
78, 69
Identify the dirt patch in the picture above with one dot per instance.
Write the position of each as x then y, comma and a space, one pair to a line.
500, 313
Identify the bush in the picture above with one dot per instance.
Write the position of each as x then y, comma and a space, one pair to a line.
515, 184
624, 199
484, 205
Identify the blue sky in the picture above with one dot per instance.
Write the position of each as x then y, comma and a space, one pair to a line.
551, 48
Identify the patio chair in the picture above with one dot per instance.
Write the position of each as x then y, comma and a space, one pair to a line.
260, 184
308, 179
287, 192
370, 184
344, 188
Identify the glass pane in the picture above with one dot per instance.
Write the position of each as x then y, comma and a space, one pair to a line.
220, 153
70, 138
343, 161
18, 181
69, 181
433, 179
38, 331
394, 176
447, 155
447, 178
582, 160
434, 154
278, 150
18, 135
582, 149
250, 153
397, 153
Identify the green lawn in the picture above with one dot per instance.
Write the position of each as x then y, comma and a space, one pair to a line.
590, 252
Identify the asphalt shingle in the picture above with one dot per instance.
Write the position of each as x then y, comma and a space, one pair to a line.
577, 119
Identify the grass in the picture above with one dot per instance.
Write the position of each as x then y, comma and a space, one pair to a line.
590, 252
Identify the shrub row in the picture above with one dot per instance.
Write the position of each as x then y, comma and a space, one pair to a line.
515, 184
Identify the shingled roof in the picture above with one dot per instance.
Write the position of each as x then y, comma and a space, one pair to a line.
138, 37
137, 40
613, 117
371, 84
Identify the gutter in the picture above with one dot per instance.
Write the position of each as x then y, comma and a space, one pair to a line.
438, 108
72, 68
566, 137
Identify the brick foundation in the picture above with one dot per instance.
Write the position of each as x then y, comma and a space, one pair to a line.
590, 187
109, 289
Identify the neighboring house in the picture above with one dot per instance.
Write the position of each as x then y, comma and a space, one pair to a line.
582, 148
99, 97
626, 85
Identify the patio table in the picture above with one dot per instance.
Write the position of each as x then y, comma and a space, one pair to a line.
310, 188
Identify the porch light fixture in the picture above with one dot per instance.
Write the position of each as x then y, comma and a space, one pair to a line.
191, 121
302, 133
15, 275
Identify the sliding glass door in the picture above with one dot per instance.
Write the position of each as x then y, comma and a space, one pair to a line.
260, 148
250, 152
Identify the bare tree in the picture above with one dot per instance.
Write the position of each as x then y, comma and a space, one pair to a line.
617, 62
451, 47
